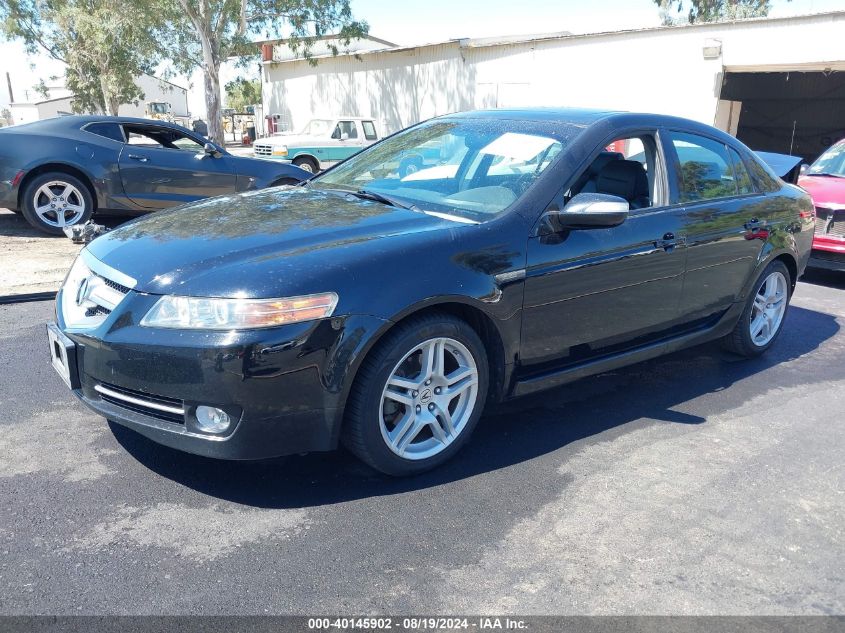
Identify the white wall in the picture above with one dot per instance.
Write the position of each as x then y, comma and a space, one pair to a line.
657, 70
157, 90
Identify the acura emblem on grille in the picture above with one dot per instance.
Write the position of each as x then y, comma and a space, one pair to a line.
82, 291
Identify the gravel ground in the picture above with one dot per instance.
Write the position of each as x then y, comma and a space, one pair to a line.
692, 484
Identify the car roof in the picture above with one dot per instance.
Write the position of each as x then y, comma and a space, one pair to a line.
78, 120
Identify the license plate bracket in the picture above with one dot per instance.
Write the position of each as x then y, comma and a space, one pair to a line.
63, 356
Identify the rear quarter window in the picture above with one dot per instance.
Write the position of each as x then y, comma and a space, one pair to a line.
369, 130
106, 130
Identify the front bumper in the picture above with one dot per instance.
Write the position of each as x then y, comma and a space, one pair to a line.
284, 388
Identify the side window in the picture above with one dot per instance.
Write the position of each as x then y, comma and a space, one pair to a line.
345, 127
625, 168
108, 130
743, 178
706, 170
161, 138
369, 130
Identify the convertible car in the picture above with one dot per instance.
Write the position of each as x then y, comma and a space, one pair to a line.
58, 172
535, 247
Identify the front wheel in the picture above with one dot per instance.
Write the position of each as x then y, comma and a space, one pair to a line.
762, 319
418, 396
308, 164
55, 200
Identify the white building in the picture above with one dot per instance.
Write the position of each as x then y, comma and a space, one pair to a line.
59, 101
777, 83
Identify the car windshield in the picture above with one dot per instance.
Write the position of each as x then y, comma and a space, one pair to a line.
471, 168
831, 162
317, 127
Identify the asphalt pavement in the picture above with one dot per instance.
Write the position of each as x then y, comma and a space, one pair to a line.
693, 484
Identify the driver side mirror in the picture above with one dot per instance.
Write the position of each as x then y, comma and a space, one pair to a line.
589, 211
344, 136
211, 150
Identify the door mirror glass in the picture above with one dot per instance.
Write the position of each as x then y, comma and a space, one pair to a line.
590, 210
344, 136
211, 150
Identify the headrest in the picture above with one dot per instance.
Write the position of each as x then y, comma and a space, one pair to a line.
624, 178
602, 160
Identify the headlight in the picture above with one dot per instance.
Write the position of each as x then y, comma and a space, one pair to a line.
201, 313
280, 151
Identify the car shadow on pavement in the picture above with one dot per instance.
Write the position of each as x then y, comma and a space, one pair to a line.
820, 277
513, 433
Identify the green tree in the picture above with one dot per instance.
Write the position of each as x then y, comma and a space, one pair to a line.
5, 117
695, 11
205, 33
242, 92
104, 46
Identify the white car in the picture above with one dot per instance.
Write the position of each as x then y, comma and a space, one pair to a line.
321, 144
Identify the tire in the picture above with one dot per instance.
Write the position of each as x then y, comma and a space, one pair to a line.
308, 164
401, 437
765, 310
74, 207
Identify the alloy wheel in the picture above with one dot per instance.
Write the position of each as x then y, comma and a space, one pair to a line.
58, 203
768, 308
429, 398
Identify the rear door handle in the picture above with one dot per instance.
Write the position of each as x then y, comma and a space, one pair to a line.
137, 157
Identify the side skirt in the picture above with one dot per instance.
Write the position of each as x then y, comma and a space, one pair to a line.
652, 350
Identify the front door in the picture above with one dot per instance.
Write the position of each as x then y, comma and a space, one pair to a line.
593, 292
161, 167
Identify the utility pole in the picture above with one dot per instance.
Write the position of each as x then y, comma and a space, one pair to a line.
9, 84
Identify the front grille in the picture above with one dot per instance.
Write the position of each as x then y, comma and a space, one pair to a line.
97, 311
263, 150
830, 222
90, 293
161, 407
116, 286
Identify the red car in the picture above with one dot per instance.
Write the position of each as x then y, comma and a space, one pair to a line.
825, 182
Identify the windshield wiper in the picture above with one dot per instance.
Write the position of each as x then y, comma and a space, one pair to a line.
378, 197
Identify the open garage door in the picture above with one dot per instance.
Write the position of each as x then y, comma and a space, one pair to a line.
796, 112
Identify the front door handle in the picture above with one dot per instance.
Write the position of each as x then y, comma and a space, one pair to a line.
137, 157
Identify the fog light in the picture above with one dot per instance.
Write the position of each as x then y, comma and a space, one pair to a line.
211, 419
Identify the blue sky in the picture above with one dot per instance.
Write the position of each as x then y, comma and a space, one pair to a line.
418, 22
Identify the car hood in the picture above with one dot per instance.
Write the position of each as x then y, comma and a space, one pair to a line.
253, 244
826, 191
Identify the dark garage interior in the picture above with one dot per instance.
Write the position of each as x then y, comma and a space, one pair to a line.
799, 113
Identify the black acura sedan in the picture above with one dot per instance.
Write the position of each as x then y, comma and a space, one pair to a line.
58, 172
535, 247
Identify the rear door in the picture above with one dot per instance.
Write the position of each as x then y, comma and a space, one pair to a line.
725, 220
161, 167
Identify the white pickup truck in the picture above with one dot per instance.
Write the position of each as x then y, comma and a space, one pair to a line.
321, 144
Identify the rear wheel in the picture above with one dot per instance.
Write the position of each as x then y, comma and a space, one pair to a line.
308, 164
762, 319
418, 396
55, 200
